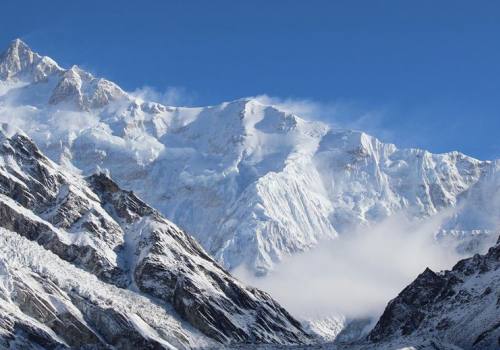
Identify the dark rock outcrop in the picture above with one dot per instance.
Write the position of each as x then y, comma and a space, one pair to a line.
170, 265
112, 234
457, 308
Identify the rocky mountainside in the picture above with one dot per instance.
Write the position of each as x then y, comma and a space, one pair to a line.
270, 183
84, 262
456, 309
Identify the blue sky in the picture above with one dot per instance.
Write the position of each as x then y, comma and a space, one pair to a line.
421, 73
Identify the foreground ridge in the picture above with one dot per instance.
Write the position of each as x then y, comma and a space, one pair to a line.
456, 308
122, 247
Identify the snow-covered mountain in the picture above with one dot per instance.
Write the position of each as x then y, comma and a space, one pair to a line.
85, 263
253, 183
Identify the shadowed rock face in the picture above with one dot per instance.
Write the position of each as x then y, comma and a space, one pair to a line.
113, 235
56, 209
460, 307
171, 266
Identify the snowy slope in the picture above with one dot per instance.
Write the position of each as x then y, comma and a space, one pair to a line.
251, 182
46, 302
166, 288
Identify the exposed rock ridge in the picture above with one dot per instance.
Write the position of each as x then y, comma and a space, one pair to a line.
113, 235
460, 307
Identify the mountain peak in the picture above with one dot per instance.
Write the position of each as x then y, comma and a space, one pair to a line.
16, 58
16, 48
18, 44
20, 62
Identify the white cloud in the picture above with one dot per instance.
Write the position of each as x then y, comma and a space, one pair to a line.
358, 273
305, 108
172, 96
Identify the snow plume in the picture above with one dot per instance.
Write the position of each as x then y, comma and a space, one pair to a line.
33, 120
18, 117
26, 113
304, 108
73, 121
339, 114
358, 273
172, 96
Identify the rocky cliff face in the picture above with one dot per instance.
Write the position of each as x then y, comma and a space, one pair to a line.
172, 266
456, 308
122, 246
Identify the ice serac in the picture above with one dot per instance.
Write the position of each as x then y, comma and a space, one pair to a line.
459, 308
65, 228
368, 180
253, 183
